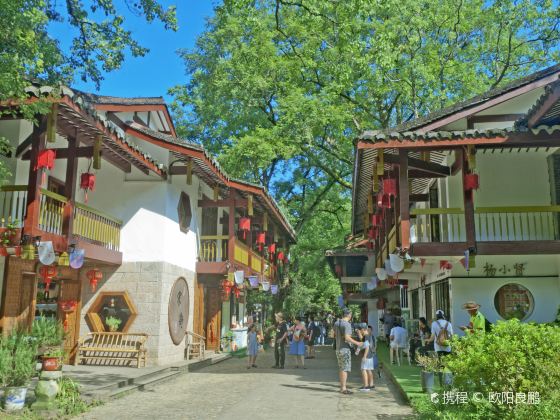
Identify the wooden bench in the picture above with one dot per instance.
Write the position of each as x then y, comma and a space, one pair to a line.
112, 349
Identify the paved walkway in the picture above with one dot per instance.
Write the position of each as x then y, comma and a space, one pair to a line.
229, 391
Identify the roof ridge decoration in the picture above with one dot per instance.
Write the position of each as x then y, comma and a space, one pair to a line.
548, 91
418, 123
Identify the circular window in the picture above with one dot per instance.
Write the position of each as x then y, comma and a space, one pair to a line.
514, 301
178, 310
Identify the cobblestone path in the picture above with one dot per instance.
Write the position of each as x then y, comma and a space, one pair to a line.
229, 391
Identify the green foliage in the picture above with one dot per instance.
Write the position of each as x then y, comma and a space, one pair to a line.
515, 357
47, 332
428, 363
279, 90
17, 359
69, 400
113, 323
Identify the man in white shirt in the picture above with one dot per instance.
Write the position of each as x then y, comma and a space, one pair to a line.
399, 339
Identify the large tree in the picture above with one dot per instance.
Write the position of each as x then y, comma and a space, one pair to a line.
280, 88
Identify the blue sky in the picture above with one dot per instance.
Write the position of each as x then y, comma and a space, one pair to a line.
161, 68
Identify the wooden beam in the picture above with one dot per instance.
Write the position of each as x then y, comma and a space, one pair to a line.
403, 198
34, 179
70, 186
24, 145
420, 165
65, 153
548, 103
468, 199
438, 249
418, 173
477, 119
518, 248
228, 202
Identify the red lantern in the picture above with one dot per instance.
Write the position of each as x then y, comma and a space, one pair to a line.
94, 276
380, 196
226, 288
236, 291
87, 183
47, 272
261, 240
390, 187
245, 226
45, 161
280, 256
445, 265
272, 249
470, 182
386, 201
67, 306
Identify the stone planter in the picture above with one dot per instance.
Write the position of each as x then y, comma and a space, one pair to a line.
428, 379
50, 364
14, 398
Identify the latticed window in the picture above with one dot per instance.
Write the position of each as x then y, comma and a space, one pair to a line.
442, 296
184, 211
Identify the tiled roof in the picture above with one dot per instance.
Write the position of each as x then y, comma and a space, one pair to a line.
444, 112
551, 116
117, 100
85, 104
380, 136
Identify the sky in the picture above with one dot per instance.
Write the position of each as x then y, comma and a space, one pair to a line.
161, 68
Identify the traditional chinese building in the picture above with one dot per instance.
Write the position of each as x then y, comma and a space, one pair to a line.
160, 225
468, 198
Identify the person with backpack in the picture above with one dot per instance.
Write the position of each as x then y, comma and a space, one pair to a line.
442, 331
478, 322
343, 339
314, 332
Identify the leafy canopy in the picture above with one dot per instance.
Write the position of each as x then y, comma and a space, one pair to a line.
278, 89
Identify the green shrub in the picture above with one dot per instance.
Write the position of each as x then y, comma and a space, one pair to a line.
517, 358
17, 359
47, 332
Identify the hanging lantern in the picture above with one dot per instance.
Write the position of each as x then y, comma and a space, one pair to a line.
236, 291
280, 256
470, 182
45, 162
390, 187
28, 252
47, 272
445, 265
272, 249
245, 226
87, 183
67, 306
261, 240
94, 276
226, 288
64, 259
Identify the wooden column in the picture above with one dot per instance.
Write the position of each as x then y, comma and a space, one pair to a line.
70, 187
232, 235
404, 199
469, 205
34, 180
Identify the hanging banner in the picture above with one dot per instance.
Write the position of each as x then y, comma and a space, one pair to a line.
46, 253
254, 281
266, 286
77, 258
239, 276
388, 269
274, 289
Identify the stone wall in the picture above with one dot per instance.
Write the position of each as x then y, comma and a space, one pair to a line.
148, 285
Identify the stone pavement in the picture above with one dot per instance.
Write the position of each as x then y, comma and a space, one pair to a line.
229, 391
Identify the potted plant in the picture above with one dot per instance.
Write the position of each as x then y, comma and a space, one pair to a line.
113, 323
17, 367
52, 359
9, 236
430, 365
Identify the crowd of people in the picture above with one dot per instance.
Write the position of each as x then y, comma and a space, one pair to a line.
301, 336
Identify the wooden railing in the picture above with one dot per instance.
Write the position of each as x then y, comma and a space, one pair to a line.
51, 209
521, 223
96, 227
241, 253
13, 200
509, 223
214, 248
438, 225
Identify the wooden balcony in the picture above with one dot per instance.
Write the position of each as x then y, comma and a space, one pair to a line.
64, 223
497, 230
214, 257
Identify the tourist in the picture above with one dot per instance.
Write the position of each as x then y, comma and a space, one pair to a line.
419, 340
388, 320
442, 331
343, 339
323, 334
368, 347
398, 340
314, 331
478, 320
280, 341
297, 346
252, 345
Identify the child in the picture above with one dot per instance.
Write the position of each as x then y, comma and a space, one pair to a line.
368, 346
252, 346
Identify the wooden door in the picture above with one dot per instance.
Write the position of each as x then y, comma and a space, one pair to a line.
27, 300
213, 318
70, 289
198, 313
